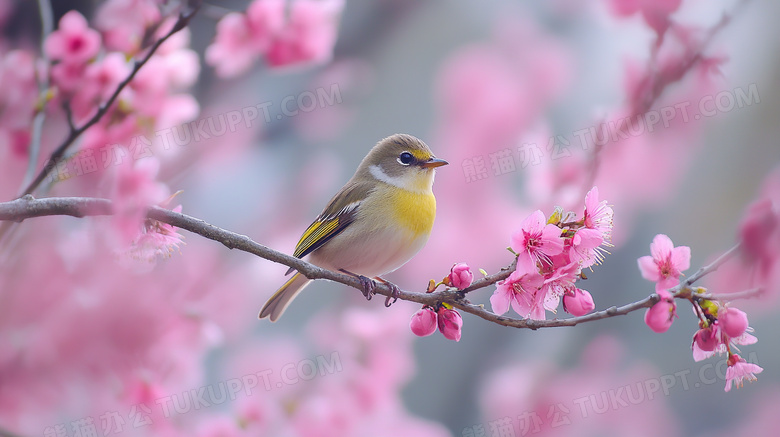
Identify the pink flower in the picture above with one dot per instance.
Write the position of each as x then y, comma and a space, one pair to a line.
558, 283
655, 12
578, 304
309, 35
123, 23
760, 223
733, 322
740, 370
585, 246
660, 316
73, 41
135, 189
705, 341
157, 239
666, 263
536, 241
232, 51
423, 322
460, 276
598, 215
450, 323
519, 290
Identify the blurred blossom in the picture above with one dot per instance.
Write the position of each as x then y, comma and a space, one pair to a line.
306, 35
123, 23
655, 12
18, 98
73, 42
134, 190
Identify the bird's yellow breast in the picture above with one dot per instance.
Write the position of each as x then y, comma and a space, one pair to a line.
407, 210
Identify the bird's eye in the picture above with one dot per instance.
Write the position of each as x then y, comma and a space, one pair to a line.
405, 158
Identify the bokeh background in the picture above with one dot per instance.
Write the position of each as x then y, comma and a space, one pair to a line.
83, 335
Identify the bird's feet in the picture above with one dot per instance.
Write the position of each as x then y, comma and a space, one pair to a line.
395, 292
368, 285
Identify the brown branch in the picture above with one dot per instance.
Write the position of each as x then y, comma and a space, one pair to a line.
29, 207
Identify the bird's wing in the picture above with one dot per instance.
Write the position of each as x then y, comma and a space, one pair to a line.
340, 213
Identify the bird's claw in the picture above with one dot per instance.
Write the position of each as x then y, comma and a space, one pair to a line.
395, 293
368, 285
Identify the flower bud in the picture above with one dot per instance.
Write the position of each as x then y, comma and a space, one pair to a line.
450, 323
579, 304
706, 339
460, 276
732, 321
661, 315
423, 322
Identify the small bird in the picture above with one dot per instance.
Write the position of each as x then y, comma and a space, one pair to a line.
376, 223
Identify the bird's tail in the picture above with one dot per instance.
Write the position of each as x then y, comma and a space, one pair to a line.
283, 296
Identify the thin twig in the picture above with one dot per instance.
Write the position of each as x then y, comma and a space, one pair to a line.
47, 26
29, 207
184, 19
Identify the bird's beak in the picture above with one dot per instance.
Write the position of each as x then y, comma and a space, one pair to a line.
433, 163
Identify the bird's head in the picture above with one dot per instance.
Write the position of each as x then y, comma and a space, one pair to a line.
403, 161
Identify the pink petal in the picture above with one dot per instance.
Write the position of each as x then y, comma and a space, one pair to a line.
661, 247
552, 243
592, 199
648, 268
534, 223
587, 238
681, 258
499, 301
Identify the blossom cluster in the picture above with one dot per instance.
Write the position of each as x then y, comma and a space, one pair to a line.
425, 321
721, 326
300, 32
551, 254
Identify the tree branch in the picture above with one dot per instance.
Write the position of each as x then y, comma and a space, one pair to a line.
29, 207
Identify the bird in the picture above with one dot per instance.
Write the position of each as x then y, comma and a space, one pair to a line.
377, 222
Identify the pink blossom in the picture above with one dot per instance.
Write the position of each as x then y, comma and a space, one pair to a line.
73, 41
450, 323
309, 35
579, 304
666, 264
660, 316
519, 290
756, 230
585, 246
232, 51
135, 189
123, 23
423, 322
598, 215
739, 370
655, 12
536, 241
705, 342
265, 19
460, 276
733, 322
156, 240
558, 283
